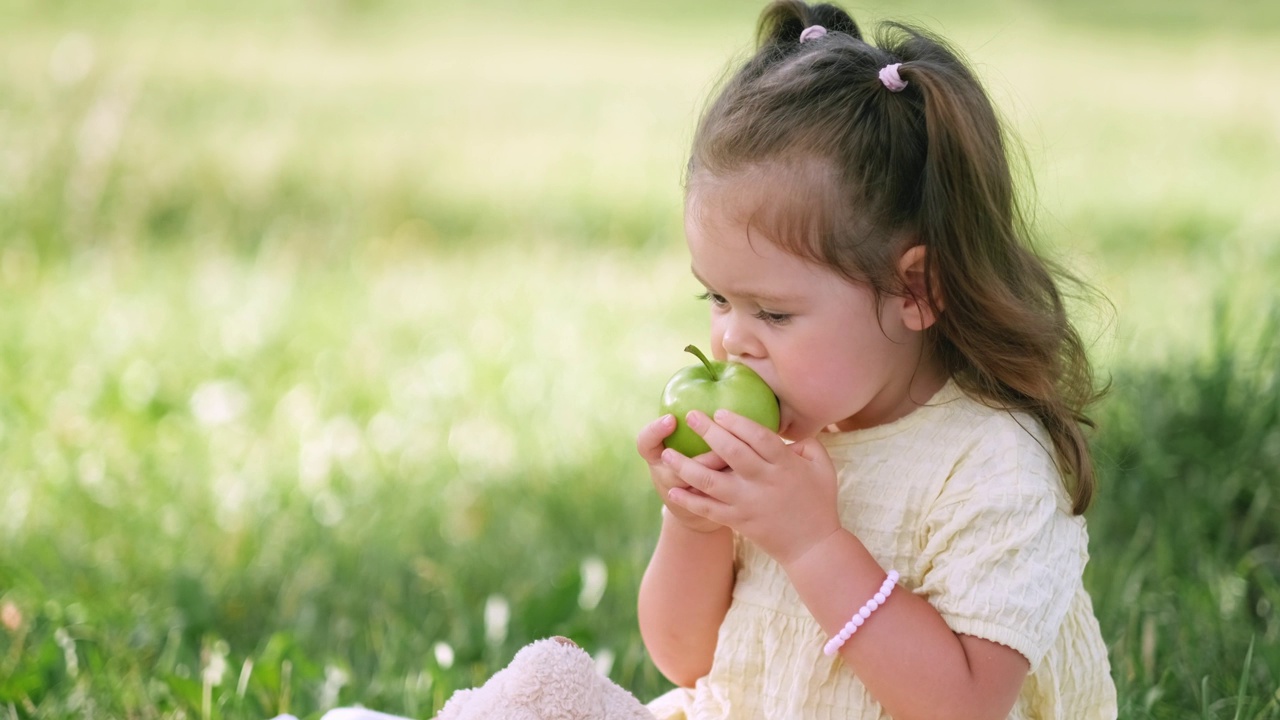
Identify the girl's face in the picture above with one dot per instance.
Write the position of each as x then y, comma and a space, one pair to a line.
819, 340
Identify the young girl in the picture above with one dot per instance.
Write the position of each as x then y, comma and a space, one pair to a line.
910, 543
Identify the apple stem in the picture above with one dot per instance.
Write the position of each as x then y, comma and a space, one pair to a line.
705, 361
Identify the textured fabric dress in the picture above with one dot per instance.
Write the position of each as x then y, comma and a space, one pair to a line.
967, 504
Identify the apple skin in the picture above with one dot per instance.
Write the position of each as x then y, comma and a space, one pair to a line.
710, 386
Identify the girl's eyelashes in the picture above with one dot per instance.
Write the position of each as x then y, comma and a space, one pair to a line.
717, 300
772, 318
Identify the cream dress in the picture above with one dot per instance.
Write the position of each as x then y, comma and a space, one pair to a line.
967, 504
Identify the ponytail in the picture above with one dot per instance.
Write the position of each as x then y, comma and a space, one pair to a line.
1004, 333
782, 22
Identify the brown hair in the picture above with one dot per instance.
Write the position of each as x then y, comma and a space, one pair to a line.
864, 173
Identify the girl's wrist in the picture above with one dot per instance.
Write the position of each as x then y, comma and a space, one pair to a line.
671, 523
820, 556
800, 556
833, 576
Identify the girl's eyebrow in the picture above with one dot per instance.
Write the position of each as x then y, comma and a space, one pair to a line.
759, 297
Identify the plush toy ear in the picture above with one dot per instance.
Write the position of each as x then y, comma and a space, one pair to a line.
551, 679
548, 679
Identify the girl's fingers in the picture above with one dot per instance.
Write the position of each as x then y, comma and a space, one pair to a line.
711, 461
698, 503
694, 474
739, 452
765, 442
649, 441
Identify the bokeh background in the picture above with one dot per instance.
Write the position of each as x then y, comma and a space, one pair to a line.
326, 327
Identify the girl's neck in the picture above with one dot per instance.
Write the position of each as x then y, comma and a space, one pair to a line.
898, 400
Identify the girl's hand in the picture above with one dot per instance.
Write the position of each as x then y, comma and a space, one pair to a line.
781, 497
649, 445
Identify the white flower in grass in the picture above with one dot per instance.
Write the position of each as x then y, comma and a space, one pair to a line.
604, 661
68, 645
216, 665
497, 615
595, 577
334, 679
444, 655
1232, 590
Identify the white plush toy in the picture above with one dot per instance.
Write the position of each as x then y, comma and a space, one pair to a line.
551, 679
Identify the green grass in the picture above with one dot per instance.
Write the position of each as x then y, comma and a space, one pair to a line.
329, 326
1186, 542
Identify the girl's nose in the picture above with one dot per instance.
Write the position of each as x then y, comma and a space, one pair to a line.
737, 339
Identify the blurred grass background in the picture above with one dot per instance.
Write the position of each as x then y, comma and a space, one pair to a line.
328, 326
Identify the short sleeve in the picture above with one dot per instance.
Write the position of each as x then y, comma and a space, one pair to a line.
1002, 553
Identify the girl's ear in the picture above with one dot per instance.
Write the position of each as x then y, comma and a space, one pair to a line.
919, 311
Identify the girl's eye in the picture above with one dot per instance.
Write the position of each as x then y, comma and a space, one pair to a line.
717, 300
773, 318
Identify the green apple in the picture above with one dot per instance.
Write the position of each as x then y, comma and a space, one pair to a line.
708, 387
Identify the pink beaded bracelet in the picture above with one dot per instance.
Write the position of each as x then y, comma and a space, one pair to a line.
864, 612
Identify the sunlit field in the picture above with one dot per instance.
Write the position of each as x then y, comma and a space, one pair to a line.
326, 328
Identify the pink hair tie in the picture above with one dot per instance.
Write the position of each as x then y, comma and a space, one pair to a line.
813, 32
889, 76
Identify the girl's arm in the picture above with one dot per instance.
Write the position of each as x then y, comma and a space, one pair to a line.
686, 589
684, 596
905, 653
